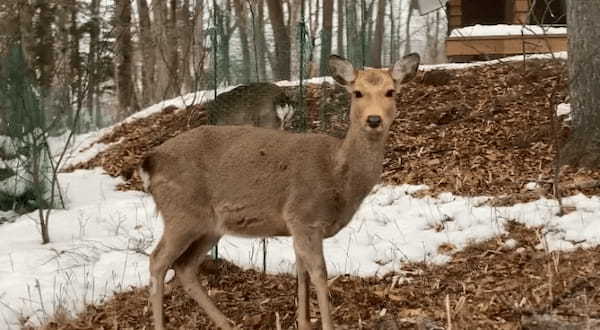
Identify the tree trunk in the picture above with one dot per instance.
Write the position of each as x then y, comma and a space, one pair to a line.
436, 38
148, 53
75, 69
407, 48
161, 74
199, 53
583, 146
393, 35
311, 68
187, 46
241, 14
172, 50
262, 43
24, 27
225, 30
377, 50
352, 41
282, 41
93, 63
66, 79
293, 18
124, 61
340, 27
368, 42
44, 58
326, 36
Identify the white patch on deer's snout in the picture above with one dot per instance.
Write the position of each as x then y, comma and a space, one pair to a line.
145, 179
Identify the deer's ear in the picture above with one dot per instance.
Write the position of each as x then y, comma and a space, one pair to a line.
341, 70
406, 68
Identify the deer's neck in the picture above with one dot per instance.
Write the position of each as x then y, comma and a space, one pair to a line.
359, 164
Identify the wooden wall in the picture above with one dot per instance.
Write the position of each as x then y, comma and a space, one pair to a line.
520, 10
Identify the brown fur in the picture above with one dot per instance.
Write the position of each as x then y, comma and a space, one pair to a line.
256, 182
253, 104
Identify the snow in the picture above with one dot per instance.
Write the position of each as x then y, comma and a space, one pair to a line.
505, 30
101, 241
459, 66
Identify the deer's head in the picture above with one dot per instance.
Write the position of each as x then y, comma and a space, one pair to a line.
373, 91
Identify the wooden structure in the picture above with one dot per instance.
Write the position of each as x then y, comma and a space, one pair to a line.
462, 13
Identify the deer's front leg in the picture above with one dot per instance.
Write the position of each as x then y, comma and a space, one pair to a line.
309, 249
303, 313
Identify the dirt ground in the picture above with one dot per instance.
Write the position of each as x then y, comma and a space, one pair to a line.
481, 131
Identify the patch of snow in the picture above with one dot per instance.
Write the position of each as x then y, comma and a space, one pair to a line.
315, 80
505, 30
99, 243
460, 66
180, 102
510, 244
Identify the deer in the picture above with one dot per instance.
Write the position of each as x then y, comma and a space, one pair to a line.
255, 182
259, 104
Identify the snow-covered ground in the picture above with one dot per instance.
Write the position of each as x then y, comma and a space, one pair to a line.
505, 30
101, 240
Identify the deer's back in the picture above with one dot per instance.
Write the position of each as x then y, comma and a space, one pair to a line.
252, 104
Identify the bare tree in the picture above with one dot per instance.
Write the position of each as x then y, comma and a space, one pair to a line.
93, 60
282, 69
124, 58
340, 27
44, 52
407, 44
241, 13
314, 12
225, 30
583, 146
186, 31
147, 52
262, 52
377, 48
171, 49
326, 35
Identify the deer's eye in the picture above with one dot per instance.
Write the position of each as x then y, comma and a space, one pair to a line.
390, 93
358, 94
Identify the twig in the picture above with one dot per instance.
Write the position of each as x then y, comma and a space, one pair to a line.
448, 315
277, 321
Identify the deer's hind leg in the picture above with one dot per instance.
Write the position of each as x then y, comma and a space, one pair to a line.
173, 244
186, 270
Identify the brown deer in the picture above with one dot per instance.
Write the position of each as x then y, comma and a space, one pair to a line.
256, 182
259, 104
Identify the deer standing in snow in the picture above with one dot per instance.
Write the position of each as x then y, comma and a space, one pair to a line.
255, 182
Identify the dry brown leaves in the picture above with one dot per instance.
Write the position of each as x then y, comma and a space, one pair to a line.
488, 286
488, 131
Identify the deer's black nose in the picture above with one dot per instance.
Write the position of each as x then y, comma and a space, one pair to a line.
374, 121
